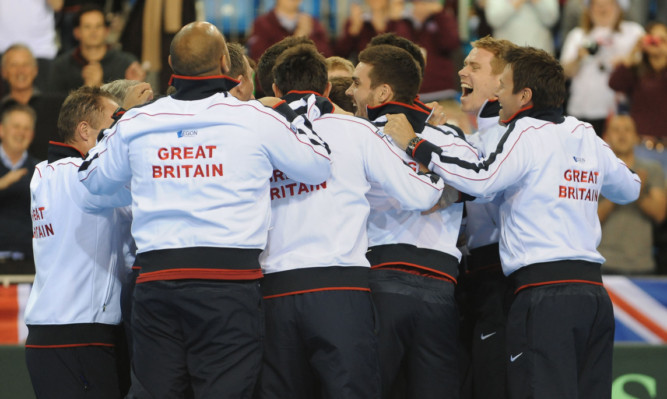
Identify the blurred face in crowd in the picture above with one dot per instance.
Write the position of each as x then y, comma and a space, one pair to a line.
360, 90
19, 69
92, 31
288, 5
478, 82
604, 12
621, 134
655, 43
510, 103
16, 132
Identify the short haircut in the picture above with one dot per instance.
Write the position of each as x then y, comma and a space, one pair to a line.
119, 88
336, 62
395, 67
19, 108
268, 60
339, 86
540, 72
82, 104
236, 60
301, 68
17, 46
197, 49
393, 39
497, 47
86, 8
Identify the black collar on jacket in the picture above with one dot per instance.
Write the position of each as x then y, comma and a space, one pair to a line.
554, 115
191, 88
61, 150
491, 108
417, 116
323, 103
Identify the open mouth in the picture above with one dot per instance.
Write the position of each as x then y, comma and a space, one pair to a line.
466, 89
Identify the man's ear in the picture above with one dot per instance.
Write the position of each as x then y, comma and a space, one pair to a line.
276, 90
83, 131
384, 93
327, 90
526, 97
224, 63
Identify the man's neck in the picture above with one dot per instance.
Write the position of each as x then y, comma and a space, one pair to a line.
94, 53
628, 158
22, 96
13, 156
658, 62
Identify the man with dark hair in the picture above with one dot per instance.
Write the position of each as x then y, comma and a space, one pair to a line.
339, 85
316, 273
438, 116
73, 333
93, 62
268, 60
239, 69
550, 171
199, 162
414, 258
393, 39
17, 165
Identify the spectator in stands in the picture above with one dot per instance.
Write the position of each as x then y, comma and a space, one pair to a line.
642, 77
282, 21
68, 17
93, 62
339, 66
16, 169
364, 23
19, 69
434, 28
631, 253
239, 69
588, 55
640, 11
524, 22
31, 22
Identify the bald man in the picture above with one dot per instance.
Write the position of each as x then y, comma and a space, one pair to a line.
199, 163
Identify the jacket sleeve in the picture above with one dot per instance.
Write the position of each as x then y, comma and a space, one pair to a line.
384, 165
479, 178
623, 79
107, 167
294, 147
620, 184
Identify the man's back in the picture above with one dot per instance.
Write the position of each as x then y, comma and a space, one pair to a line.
203, 163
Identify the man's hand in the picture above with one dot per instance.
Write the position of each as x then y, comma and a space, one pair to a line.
356, 20
304, 26
449, 196
12, 177
399, 129
438, 116
92, 74
137, 95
